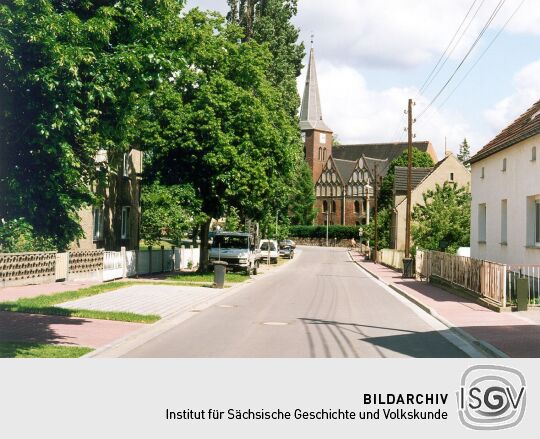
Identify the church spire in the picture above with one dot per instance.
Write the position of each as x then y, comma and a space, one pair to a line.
310, 112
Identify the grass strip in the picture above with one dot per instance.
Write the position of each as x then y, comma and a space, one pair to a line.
17, 349
45, 304
208, 277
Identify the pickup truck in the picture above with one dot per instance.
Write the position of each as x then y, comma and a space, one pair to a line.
238, 249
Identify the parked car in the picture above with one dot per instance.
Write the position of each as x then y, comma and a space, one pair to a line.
286, 252
237, 249
287, 242
269, 250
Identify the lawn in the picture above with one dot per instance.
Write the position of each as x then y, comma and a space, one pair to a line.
46, 305
10, 349
208, 277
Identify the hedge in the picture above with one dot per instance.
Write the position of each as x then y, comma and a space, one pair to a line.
338, 232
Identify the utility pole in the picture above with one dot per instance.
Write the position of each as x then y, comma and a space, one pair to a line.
375, 194
407, 262
327, 227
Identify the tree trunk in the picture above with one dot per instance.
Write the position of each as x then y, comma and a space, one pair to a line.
205, 229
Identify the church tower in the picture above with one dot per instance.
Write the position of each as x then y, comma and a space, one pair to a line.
316, 135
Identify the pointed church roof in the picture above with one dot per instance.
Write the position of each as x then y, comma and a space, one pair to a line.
310, 112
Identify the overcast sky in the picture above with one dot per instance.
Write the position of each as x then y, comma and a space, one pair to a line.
372, 55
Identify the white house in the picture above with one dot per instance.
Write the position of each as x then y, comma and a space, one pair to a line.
505, 217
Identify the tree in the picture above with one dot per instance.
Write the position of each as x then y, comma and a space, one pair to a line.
464, 151
443, 218
219, 124
168, 212
302, 211
73, 77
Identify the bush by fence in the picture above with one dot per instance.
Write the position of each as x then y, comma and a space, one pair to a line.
338, 232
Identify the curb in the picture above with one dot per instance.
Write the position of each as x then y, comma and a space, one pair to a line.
485, 347
132, 341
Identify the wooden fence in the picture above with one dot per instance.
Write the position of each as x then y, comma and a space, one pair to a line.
483, 278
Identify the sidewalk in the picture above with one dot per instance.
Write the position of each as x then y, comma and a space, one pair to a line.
515, 334
9, 294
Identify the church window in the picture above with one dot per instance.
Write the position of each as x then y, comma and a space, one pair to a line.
324, 154
320, 154
325, 206
356, 207
322, 137
334, 209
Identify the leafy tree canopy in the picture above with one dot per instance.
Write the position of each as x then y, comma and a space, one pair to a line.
302, 211
443, 218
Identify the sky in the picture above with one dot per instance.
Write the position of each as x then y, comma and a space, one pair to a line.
373, 55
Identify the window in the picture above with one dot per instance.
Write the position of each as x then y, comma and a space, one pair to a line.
125, 166
482, 223
504, 222
125, 222
537, 223
356, 207
320, 154
482, 173
322, 138
533, 154
364, 205
504, 165
97, 219
324, 154
334, 206
325, 206
304, 137
451, 176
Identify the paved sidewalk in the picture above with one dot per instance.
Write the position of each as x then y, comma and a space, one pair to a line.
515, 334
70, 331
14, 293
163, 300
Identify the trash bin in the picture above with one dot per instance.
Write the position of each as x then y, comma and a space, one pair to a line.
220, 268
522, 294
408, 268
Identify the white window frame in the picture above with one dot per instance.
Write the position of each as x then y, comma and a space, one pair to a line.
97, 228
482, 223
504, 222
537, 222
124, 229
322, 138
125, 165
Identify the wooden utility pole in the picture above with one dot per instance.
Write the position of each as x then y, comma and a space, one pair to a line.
409, 183
375, 194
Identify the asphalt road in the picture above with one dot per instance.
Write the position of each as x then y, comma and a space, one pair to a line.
321, 304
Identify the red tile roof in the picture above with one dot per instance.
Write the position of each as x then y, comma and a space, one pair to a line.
525, 126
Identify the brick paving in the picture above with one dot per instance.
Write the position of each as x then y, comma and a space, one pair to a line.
516, 334
14, 293
69, 331
163, 300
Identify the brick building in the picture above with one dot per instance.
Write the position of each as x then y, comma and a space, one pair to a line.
343, 175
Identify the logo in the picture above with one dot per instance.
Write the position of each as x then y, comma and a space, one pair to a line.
491, 398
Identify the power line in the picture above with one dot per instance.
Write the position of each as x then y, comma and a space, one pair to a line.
493, 15
482, 54
425, 85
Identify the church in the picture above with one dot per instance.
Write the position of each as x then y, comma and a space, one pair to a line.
344, 176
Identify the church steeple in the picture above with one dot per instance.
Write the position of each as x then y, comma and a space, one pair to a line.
310, 112
317, 136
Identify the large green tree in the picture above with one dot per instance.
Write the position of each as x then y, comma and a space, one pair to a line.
464, 152
443, 219
219, 124
302, 210
72, 79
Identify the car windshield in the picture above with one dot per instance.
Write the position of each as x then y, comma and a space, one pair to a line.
264, 246
230, 242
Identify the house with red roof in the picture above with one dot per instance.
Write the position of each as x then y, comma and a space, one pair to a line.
505, 216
